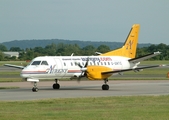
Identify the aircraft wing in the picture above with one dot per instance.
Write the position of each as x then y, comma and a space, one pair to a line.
14, 66
134, 69
138, 59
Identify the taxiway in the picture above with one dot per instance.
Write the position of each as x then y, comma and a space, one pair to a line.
73, 89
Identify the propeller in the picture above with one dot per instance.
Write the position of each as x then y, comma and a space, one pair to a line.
83, 69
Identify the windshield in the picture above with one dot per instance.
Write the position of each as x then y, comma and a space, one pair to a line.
39, 63
44, 63
36, 63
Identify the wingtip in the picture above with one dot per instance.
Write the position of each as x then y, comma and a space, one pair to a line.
163, 65
158, 52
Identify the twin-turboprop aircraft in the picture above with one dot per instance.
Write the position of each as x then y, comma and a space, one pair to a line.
99, 67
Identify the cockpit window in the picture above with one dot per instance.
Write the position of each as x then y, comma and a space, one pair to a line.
36, 63
44, 63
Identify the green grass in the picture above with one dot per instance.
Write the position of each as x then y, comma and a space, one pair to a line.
9, 87
21, 63
107, 108
159, 62
10, 73
11, 79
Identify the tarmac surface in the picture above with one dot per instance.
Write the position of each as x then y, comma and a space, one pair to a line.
73, 89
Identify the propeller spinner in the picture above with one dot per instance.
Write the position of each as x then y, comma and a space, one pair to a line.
83, 69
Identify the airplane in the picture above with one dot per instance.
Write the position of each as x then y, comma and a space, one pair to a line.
99, 67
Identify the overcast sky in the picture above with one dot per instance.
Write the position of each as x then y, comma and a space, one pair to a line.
87, 20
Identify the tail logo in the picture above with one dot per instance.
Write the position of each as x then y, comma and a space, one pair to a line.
129, 45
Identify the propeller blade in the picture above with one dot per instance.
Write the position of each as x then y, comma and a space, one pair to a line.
86, 63
78, 64
83, 69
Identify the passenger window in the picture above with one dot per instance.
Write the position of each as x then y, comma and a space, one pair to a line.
108, 63
71, 64
101, 63
104, 63
44, 63
36, 63
64, 64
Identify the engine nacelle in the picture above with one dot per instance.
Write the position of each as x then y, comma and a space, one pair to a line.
94, 72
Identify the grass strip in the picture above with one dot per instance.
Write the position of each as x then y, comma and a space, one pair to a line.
14, 62
124, 108
5, 73
9, 87
11, 80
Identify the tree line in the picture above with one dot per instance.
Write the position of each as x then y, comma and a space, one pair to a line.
62, 49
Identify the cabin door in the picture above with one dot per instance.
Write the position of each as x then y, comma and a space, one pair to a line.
60, 69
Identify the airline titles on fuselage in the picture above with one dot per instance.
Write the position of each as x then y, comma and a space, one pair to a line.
94, 59
90, 59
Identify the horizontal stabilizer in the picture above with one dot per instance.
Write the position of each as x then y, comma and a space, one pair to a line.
138, 59
134, 69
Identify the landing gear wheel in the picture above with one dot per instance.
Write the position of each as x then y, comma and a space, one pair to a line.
34, 89
105, 87
56, 86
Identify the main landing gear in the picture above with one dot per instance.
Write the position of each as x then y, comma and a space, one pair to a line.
56, 85
105, 86
35, 89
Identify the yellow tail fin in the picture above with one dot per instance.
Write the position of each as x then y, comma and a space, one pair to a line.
130, 45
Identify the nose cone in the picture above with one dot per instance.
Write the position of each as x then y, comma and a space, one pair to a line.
24, 73
28, 71
33, 72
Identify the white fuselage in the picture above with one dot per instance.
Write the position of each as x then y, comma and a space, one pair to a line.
56, 67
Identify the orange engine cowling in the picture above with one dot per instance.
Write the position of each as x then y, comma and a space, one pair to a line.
94, 72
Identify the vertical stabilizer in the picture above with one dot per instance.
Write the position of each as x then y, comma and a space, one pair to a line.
130, 45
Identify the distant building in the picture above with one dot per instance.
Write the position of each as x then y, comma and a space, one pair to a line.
11, 54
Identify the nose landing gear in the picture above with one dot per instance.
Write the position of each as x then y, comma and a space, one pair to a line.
34, 81
35, 89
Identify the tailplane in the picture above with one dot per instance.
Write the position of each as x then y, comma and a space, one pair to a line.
130, 45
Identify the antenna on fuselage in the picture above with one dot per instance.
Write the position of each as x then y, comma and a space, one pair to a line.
72, 54
98, 53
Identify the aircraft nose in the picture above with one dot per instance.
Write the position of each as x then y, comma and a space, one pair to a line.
30, 71
23, 74
26, 72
